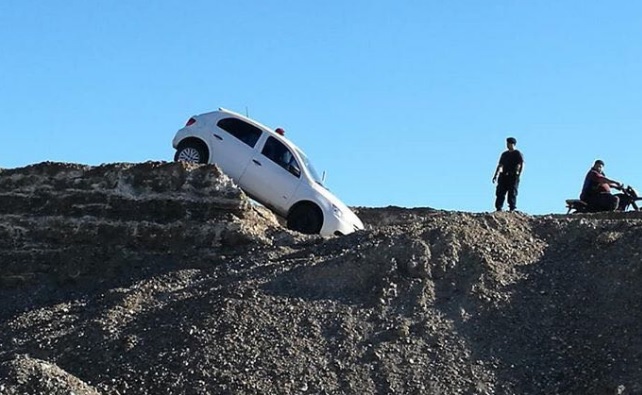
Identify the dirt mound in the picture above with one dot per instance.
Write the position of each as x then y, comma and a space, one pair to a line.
68, 222
164, 278
26, 375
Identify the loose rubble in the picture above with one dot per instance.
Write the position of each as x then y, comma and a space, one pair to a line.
165, 278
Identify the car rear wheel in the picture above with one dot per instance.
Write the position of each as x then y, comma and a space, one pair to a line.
305, 218
192, 152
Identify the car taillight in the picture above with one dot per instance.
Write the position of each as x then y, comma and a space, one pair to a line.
190, 121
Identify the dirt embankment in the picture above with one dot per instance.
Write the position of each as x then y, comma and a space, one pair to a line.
164, 278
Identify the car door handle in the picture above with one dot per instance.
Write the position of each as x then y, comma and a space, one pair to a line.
256, 162
218, 137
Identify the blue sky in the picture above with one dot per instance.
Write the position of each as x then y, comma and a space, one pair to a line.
402, 103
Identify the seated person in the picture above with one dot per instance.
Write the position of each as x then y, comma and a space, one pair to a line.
596, 191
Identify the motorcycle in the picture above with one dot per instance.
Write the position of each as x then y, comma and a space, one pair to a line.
628, 198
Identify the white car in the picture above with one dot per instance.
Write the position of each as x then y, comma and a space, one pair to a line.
268, 167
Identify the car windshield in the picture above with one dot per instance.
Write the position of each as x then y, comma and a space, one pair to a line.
311, 169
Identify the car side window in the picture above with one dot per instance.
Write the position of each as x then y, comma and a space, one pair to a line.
277, 152
249, 134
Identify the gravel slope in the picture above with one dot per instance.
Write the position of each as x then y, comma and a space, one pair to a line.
164, 278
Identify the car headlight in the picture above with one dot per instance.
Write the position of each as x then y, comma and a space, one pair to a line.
337, 211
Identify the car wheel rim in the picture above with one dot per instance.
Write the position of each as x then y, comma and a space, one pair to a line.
189, 155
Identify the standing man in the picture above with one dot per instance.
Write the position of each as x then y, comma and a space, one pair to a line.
510, 167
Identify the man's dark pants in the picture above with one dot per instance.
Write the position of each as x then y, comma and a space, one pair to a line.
507, 184
603, 202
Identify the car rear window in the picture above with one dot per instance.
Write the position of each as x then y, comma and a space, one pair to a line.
249, 134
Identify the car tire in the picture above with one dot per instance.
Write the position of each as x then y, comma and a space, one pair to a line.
191, 151
305, 218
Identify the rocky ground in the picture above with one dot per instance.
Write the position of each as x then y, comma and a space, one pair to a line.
163, 278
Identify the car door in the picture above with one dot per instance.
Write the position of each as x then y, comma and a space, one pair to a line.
237, 140
272, 176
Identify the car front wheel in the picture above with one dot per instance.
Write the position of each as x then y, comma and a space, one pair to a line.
305, 218
192, 152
